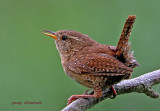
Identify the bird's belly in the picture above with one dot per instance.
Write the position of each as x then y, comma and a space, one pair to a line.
87, 80
92, 81
81, 78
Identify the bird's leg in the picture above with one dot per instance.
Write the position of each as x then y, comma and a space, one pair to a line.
114, 92
97, 94
129, 76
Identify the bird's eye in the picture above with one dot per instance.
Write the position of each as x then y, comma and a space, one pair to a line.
64, 37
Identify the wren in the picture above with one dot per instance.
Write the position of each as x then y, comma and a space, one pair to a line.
92, 64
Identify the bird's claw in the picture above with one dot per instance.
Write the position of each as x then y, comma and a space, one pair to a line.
86, 92
72, 98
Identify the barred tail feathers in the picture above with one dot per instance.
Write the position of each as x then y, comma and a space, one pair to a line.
123, 48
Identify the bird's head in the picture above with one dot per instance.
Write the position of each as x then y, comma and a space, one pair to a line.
68, 41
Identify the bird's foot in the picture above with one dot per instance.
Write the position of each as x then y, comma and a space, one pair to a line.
72, 98
97, 94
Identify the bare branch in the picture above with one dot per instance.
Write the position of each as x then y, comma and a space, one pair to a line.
141, 84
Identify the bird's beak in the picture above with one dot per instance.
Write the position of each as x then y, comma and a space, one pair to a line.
50, 33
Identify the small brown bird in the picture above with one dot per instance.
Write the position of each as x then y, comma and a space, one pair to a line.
92, 64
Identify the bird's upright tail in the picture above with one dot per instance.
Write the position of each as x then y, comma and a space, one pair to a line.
123, 48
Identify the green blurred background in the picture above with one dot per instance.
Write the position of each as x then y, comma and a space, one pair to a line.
30, 67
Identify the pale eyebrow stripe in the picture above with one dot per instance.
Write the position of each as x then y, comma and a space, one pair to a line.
73, 37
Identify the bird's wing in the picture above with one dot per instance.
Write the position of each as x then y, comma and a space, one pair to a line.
98, 64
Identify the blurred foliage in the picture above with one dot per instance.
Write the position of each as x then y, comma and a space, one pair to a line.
30, 67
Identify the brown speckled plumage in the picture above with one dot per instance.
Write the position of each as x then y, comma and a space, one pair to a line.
92, 64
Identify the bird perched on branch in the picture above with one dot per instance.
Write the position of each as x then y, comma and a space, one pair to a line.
92, 64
